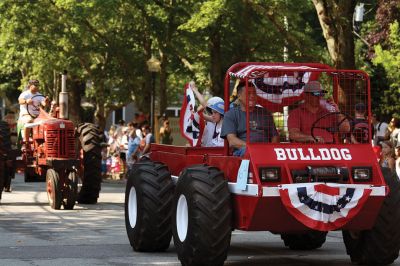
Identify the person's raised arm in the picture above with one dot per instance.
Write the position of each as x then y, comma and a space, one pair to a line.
203, 103
199, 96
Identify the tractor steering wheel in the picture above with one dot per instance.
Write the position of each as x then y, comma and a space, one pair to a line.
34, 108
333, 129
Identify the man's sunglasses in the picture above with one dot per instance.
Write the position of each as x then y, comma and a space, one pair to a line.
316, 93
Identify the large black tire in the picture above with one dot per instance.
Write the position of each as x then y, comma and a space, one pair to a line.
70, 191
54, 193
381, 244
148, 206
90, 138
304, 241
202, 216
1, 178
5, 147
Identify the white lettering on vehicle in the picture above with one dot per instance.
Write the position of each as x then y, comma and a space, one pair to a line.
320, 154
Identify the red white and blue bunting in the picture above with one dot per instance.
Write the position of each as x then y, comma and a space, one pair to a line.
191, 122
323, 207
277, 85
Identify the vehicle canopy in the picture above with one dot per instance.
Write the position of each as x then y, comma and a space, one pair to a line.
281, 85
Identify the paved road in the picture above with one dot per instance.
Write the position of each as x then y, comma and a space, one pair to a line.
31, 233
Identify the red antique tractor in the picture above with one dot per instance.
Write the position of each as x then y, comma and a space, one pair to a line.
300, 190
71, 169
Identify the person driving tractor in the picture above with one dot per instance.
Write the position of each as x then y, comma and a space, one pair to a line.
29, 101
302, 118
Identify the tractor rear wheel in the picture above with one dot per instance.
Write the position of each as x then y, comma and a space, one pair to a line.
381, 244
1, 178
70, 191
90, 138
8, 171
202, 216
54, 193
304, 241
148, 206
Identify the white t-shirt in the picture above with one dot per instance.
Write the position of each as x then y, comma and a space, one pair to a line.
381, 129
212, 135
149, 138
37, 98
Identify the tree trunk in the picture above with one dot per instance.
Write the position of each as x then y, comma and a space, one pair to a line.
336, 19
142, 102
99, 113
99, 116
74, 101
217, 79
163, 84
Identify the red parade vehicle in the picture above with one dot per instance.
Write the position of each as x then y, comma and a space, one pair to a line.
300, 188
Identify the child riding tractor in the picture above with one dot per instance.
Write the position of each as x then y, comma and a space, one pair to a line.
322, 175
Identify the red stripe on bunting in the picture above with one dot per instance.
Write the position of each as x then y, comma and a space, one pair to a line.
320, 225
331, 191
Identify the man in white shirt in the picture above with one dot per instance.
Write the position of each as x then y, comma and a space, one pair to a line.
29, 107
380, 129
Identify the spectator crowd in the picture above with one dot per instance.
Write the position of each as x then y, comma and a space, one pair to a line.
125, 144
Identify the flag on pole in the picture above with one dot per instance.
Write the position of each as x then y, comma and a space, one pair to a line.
191, 122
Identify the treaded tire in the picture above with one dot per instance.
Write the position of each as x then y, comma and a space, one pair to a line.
70, 191
7, 172
381, 244
304, 241
202, 216
54, 194
148, 206
90, 139
1, 178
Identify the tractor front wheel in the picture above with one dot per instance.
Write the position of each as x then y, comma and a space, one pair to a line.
148, 201
381, 244
54, 193
201, 217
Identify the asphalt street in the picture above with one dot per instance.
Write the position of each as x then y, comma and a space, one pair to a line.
31, 233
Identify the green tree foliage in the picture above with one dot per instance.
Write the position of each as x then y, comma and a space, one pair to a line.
389, 59
378, 17
235, 31
104, 44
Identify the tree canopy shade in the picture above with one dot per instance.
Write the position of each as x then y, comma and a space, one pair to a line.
390, 59
105, 44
